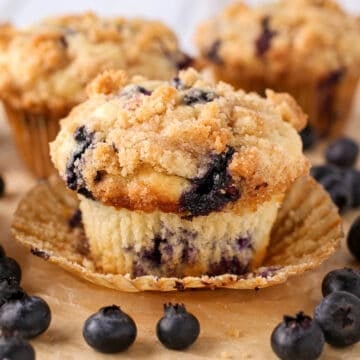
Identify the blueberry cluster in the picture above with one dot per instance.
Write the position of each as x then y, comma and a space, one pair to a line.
336, 320
110, 330
22, 316
338, 176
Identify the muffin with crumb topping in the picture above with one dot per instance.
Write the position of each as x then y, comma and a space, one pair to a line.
181, 177
308, 48
44, 70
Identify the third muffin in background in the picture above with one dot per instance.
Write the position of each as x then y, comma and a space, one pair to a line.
309, 48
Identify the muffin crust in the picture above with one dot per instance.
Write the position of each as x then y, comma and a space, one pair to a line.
46, 67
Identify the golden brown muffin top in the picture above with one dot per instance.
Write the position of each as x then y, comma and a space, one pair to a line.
309, 37
46, 67
186, 146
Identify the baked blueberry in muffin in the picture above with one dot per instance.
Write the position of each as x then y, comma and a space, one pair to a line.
180, 177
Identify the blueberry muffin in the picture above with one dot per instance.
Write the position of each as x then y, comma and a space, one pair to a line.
44, 70
308, 48
179, 178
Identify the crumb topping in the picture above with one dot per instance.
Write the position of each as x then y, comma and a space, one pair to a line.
47, 66
154, 148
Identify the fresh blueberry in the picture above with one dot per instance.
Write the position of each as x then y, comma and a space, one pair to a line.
9, 288
177, 329
339, 317
2, 252
321, 171
342, 152
9, 268
353, 239
297, 338
341, 280
29, 316
14, 347
110, 330
308, 137
352, 179
340, 192
2, 186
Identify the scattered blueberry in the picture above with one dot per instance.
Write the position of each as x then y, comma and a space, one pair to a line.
29, 316
308, 137
342, 152
352, 179
319, 172
339, 317
109, 330
9, 268
297, 338
177, 329
2, 186
338, 189
353, 239
2, 252
9, 288
14, 347
341, 280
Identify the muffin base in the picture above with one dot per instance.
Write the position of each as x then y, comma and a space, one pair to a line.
164, 244
306, 232
326, 101
32, 133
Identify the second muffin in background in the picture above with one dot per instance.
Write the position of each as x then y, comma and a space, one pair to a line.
308, 48
44, 70
179, 178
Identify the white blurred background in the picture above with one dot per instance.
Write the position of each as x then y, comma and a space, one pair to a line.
181, 15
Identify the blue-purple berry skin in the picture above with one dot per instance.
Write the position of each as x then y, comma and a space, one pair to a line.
9, 289
110, 330
318, 172
14, 347
342, 280
298, 338
338, 315
26, 315
308, 137
355, 182
353, 239
177, 329
342, 152
9, 268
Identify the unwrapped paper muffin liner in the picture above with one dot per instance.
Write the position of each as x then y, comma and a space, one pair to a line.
307, 231
32, 133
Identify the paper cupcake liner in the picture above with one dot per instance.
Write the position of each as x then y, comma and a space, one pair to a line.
307, 231
32, 134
